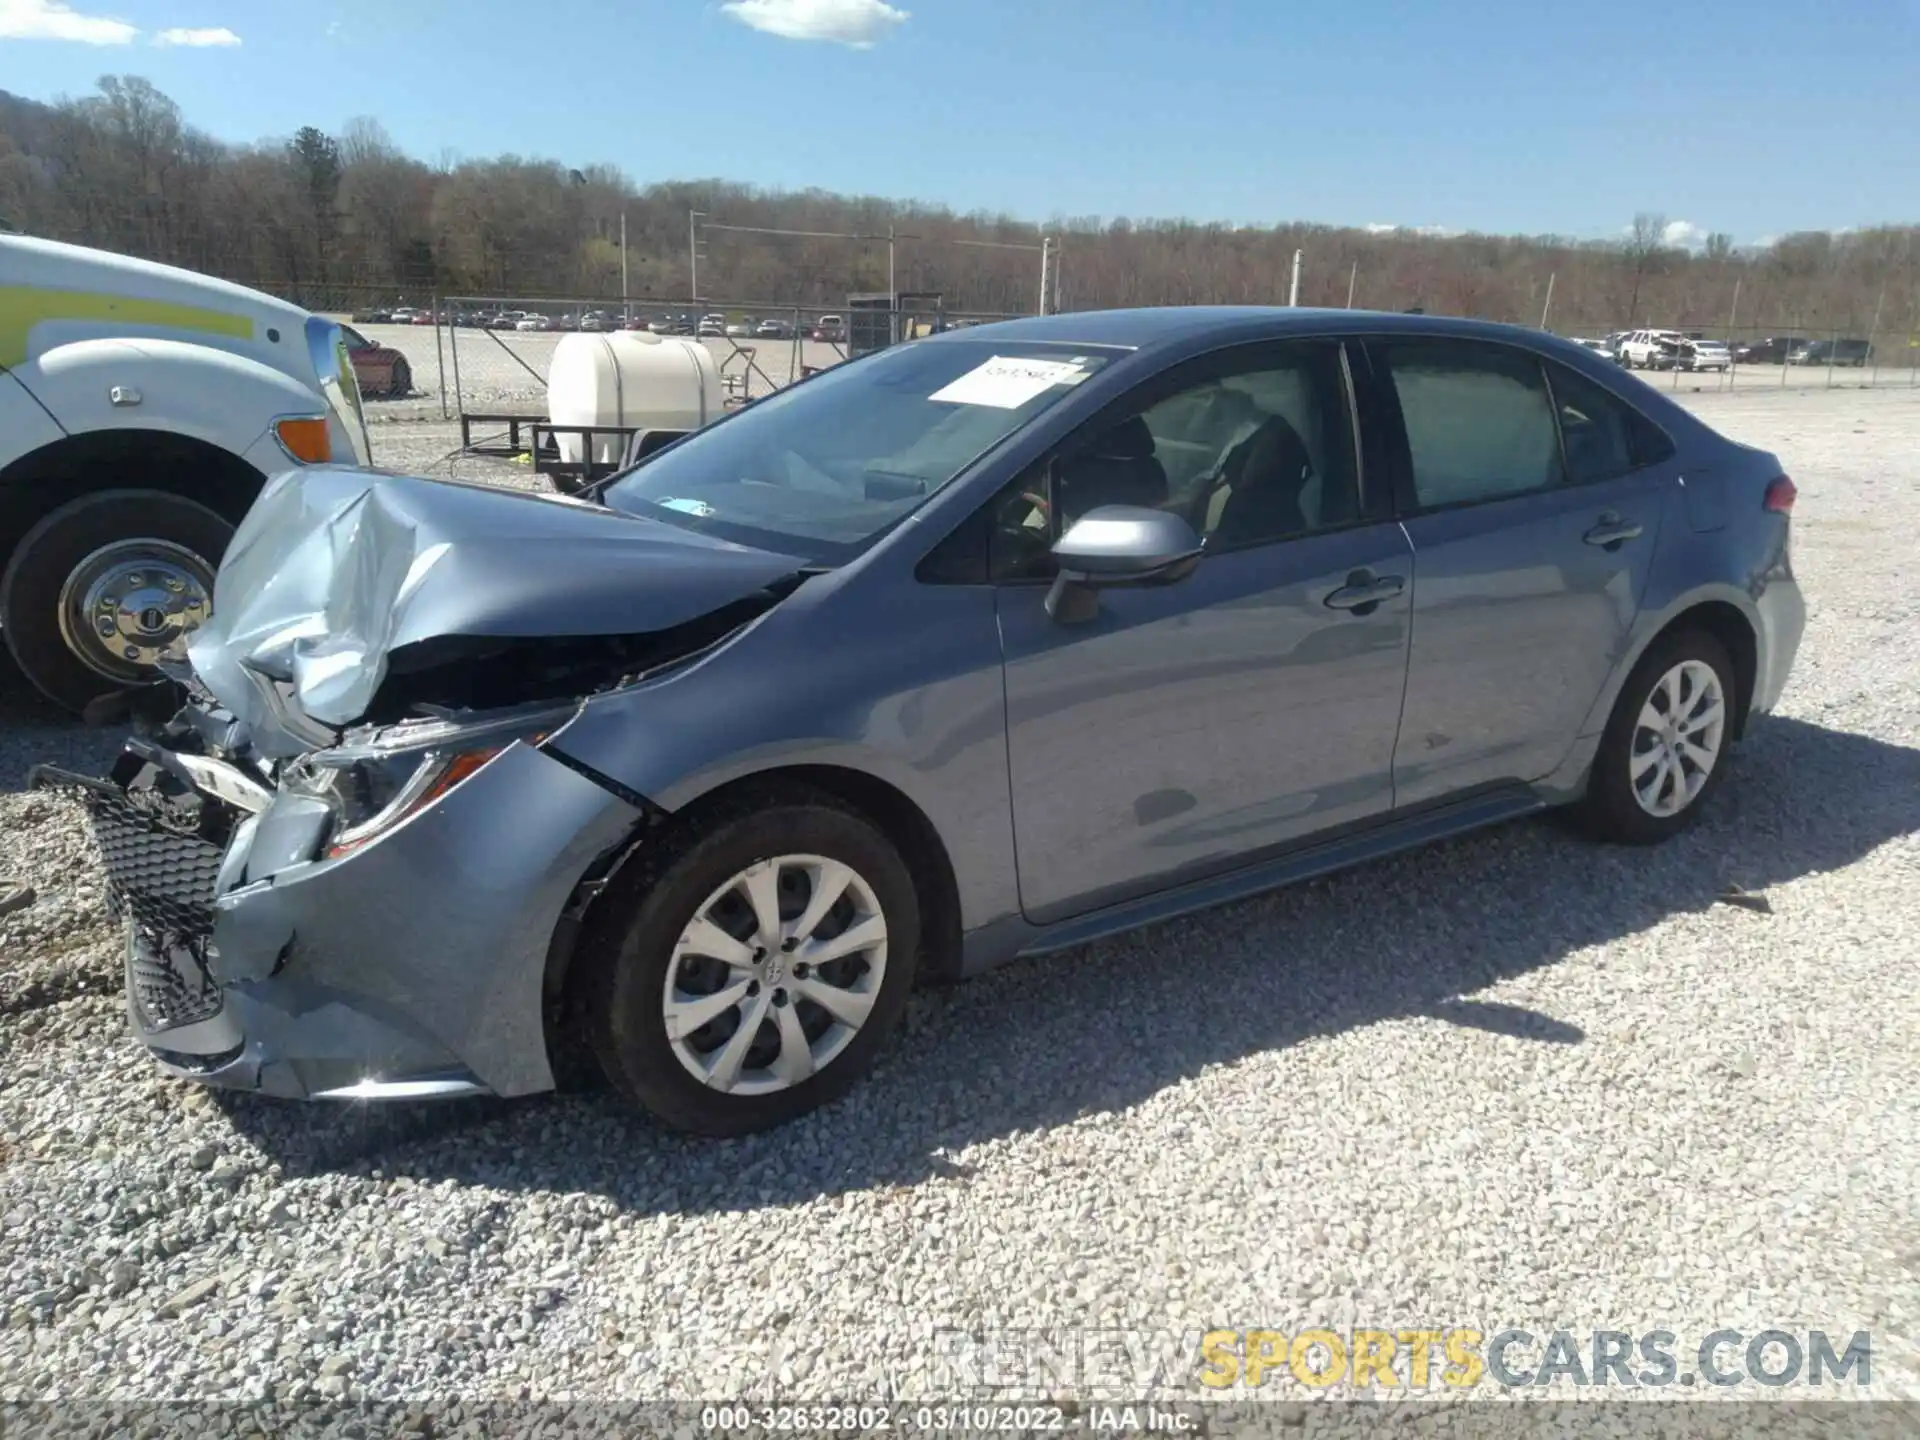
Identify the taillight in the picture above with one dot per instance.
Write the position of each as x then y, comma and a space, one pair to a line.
1780, 496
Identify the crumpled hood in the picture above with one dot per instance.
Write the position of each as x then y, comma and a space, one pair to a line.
335, 569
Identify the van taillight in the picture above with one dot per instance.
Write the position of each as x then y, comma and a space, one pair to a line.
1780, 496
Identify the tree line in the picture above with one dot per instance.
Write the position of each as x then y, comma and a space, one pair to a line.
336, 220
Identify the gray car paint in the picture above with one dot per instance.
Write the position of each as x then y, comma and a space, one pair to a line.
422, 954
906, 683
333, 570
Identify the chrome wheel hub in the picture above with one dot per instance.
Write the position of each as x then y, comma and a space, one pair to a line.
775, 974
129, 605
1677, 739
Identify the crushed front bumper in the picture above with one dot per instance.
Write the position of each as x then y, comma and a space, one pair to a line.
413, 967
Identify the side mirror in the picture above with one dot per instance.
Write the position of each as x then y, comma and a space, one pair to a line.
1118, 545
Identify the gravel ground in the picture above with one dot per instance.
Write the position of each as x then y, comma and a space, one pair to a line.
1512, 1081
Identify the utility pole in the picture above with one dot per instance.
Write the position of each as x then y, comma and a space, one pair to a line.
893, 293
1046, 254
1353, 279
1549, 305
693, 255
1293, 293
626, 309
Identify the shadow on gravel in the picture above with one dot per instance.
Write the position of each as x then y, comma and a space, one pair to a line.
34, 731
1112, 1025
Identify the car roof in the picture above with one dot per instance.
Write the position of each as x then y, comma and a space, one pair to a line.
1173, 326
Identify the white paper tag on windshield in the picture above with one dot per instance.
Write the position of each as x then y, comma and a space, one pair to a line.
1007, 383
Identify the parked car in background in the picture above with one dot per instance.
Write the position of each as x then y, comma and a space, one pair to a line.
372, 317
731, 801
1773, 350
1699, 355
772, 330
712, 325
1599, 347
1831, 352
381, 370
830, 329
401, 316
506, 320
1651, 349
739, 329
533, 322
427, 317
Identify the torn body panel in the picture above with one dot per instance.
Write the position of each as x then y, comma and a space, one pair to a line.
427, 962
338, 579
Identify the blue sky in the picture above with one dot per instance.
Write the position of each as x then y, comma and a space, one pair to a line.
1755, 118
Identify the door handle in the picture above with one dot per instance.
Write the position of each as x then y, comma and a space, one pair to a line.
1364, 591
1612, 532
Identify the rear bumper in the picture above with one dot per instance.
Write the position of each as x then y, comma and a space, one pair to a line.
414, 966
1783, 620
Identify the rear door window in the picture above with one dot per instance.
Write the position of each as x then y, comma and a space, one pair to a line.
1479, 420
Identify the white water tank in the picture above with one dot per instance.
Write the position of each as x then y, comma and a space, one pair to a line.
630, 377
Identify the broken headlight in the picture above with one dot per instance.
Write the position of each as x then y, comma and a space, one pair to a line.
379, 778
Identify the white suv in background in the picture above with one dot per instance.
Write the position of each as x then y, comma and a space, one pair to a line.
1651, 349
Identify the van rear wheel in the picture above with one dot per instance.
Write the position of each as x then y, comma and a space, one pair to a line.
106, 586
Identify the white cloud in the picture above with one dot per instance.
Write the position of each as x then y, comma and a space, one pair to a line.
1431, 232
858, 23
1682, 234
217, 35
52, 20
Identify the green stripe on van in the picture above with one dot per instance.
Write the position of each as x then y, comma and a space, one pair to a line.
23, 307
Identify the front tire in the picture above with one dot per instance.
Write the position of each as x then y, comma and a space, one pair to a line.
401, 384
1666, 746
106, 585
751, 971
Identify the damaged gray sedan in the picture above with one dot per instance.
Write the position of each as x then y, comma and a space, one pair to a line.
977, 647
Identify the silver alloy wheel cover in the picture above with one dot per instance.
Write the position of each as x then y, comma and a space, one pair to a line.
780, 958
1677, 739
132, 603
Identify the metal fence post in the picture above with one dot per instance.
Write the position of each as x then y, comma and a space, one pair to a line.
1733, 317
1873, 329
439, 355
459, 400
1833, 350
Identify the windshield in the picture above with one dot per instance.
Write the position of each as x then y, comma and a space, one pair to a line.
823, 469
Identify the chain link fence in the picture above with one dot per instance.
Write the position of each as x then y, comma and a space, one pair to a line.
1786, 356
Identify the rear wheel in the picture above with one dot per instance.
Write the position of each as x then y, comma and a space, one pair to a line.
401, 385
752, 971
106, 586
1666, 745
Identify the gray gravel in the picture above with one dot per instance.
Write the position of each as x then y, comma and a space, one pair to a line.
1515, 1080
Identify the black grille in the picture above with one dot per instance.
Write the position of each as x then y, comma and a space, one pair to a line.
162, 882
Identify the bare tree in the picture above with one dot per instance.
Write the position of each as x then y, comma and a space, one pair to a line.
353, 217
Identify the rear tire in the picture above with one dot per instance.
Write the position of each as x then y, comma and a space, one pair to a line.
1648, 782
96, 566
644, 935
401, 384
